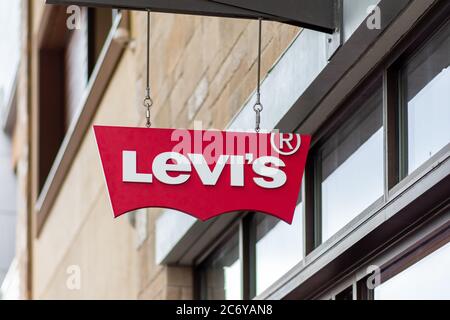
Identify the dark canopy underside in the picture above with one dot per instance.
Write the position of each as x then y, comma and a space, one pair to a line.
312, 14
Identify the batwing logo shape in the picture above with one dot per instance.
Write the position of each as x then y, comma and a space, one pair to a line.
202, 173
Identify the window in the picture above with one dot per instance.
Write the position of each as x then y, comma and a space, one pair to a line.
426, 100
66, 60
270, 248
76, 69
398, 117
350, 169
279, 247
220, 274
82, 51
427, 279
99, 24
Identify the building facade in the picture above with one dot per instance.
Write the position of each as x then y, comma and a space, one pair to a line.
372, 220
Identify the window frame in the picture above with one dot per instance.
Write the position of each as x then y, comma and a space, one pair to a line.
403, 104
395, 183
250, 226
396, 177
313, 213
420, 240
199, 288
397, 152
94, 16
247, 254
424, 244
236, 224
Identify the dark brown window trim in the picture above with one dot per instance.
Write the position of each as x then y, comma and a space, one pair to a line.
385, 74
98, 83
409, 246
313, 213
394, 189
389, 203
234, 226
422, 247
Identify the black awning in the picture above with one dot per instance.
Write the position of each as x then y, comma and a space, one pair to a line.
312, 14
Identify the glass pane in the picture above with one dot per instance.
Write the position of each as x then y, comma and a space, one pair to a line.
352, 167
426, 80
428, 279
221, 272
279, 247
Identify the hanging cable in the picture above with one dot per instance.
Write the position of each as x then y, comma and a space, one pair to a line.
258, 107
148, 102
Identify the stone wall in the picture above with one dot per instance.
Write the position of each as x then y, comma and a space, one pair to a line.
202, 69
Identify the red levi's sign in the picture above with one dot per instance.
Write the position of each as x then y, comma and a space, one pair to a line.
202, 173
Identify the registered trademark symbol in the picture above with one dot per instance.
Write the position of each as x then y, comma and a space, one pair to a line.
286, 139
